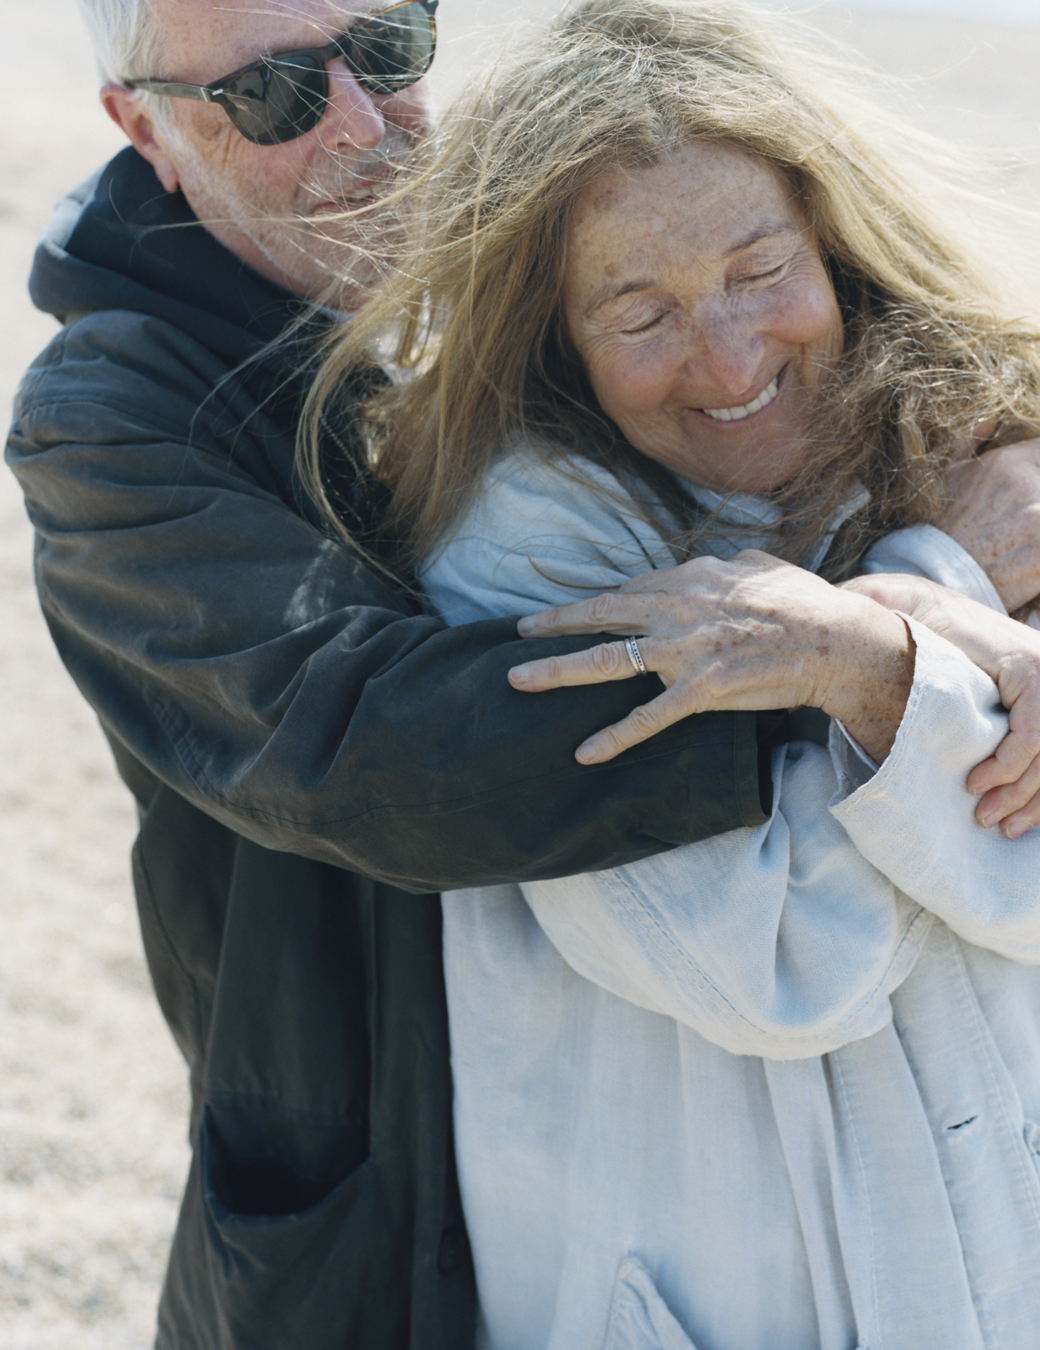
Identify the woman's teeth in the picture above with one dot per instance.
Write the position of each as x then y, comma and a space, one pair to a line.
736, 414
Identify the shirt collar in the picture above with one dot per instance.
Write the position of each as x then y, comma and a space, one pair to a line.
751, 512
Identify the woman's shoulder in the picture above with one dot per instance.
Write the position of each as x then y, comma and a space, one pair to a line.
544, 527
532, 468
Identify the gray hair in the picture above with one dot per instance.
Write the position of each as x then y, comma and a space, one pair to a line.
126, 38
127, 43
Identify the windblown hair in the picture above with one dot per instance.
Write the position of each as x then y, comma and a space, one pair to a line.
470, 306
127, 40
127, 43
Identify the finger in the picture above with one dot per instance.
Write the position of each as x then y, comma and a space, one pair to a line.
606, 613
1015, 759
640, 724
607, 661
1022, 821
1001, 802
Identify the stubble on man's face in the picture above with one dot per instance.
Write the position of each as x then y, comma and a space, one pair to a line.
294, 212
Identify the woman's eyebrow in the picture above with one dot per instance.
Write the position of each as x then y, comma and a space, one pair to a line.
768, 229
610, 292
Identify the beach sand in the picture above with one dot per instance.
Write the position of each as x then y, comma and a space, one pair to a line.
92, 1091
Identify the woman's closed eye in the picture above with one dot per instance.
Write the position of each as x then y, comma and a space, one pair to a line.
762, 273
770, 273
645, 325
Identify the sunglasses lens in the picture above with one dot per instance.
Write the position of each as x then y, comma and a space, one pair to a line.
284, 97
393, 49
279, 100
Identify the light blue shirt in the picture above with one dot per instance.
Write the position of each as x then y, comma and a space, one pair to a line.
779, 1090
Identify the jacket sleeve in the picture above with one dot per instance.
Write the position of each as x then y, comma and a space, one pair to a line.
784, 940
255, 666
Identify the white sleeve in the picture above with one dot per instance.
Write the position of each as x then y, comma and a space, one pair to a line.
924, 551
915, 819
780, 941
785, 940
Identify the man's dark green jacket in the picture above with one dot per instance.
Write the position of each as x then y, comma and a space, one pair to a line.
307, 750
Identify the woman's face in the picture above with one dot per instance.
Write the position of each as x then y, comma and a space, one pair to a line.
697, 299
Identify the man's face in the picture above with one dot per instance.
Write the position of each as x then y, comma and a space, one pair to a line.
284, 209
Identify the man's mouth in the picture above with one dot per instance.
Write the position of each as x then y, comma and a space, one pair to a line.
746, 409
366, 179
363, 194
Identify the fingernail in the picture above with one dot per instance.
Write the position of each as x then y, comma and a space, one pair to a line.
524, 626
1015, 829
519, 674
586, 753
990, 818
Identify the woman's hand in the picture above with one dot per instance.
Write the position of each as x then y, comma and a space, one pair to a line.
753, 633
1009, 652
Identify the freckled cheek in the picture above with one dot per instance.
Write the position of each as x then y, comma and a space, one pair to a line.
632, 386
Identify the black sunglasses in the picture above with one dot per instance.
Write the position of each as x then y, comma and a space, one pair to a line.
284, 95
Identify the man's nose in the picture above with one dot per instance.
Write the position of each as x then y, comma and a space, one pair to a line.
353, 118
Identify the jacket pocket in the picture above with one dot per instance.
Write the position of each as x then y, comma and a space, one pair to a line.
339, 1273
639, 1318
269, 1272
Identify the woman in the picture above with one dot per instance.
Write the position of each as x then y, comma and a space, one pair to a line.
779, 1089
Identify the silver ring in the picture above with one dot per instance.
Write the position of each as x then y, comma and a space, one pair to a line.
632, 647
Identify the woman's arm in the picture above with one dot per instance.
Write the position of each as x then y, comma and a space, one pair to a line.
787, 940
1008, 781
781, 941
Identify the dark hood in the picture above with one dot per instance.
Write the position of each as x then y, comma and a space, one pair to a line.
120, 241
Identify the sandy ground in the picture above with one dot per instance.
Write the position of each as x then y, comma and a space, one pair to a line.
92, 1092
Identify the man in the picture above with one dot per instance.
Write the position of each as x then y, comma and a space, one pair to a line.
300, 740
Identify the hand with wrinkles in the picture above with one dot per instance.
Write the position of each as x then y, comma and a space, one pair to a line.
752, 633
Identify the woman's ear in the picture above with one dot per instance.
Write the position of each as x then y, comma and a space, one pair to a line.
129, 111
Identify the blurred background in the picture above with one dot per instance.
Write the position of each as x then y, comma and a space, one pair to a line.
92, 1091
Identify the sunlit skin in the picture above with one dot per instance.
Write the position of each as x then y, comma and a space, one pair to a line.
691, 285
287, 209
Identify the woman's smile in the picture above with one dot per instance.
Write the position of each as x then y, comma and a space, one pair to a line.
697, 299
742, 413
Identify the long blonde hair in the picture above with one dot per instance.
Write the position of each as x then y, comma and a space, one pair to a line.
470, 304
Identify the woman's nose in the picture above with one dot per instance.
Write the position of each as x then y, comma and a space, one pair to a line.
729, 356
353, 117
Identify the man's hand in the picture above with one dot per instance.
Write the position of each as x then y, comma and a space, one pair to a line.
753, 633
994, 514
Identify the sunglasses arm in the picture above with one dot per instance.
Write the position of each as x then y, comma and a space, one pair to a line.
200, 92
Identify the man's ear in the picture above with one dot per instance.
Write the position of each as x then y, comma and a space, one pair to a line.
129, 112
